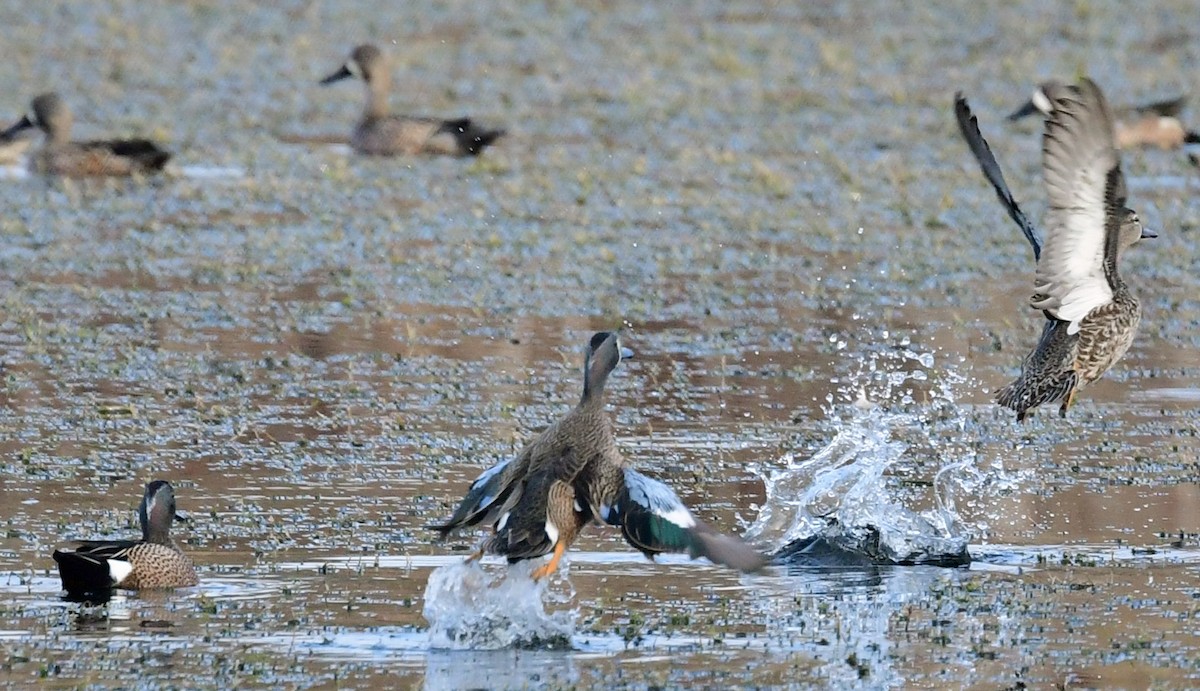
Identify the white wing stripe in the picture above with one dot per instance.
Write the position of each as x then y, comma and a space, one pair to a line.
119, 570
658, 498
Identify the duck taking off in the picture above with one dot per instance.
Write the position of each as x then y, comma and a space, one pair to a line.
571, 474
1091, 315
379, 133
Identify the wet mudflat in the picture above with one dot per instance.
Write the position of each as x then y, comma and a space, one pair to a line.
321, 351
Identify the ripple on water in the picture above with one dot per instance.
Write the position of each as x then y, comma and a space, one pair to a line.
1181, 394
14, 172
203, 172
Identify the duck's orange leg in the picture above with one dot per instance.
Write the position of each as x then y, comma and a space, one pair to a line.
1062, 412
475, 556
551, 566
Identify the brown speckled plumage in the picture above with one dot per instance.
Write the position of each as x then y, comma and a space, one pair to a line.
155, 561
573, 473
61, 156
1091, 315
382, 134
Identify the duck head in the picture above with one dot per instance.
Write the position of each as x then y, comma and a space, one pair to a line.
365, 63
604, 353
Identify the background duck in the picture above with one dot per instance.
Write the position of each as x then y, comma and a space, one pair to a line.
381, 134
1091, 314
61, 156
1149, 125
155, 561
571, 474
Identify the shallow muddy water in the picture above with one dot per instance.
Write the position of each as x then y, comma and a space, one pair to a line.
321, 351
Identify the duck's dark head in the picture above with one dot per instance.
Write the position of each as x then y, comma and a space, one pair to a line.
604, 353
364, 63
157, 512
48, 113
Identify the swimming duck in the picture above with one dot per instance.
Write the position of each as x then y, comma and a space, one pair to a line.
1153, 124
572, 474
155, 561
1091, 315
381, 134
61, 156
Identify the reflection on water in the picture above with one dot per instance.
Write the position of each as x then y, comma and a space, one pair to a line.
14, 172
207, 172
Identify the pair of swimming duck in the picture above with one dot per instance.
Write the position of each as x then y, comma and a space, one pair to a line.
378, 133
570, 475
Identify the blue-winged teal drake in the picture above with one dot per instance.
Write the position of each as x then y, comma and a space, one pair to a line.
61, 156
155, 561
571, 474
381, 134
1091, 316
1150, 125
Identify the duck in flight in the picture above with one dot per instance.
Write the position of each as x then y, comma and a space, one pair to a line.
1091, 315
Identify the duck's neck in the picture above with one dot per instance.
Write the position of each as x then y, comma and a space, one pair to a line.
377, 96
158, 534
59, 135
593, 396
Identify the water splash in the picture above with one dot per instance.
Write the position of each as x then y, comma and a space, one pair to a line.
469, 608
898, 439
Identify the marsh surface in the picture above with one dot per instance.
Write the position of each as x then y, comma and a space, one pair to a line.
321, 351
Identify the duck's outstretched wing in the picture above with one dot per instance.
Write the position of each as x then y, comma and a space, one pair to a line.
1084, 187
968, 125
654, 520
494, 489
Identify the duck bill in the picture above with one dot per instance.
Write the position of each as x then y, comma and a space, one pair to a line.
1024, 111
23, 124
626, 353
338, 76
1147, 233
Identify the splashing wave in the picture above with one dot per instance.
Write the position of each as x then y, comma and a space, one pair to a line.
469, 608
897, 440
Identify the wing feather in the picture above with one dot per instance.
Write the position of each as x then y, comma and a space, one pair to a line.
654, 520
494, 489
1078, 155
968, 125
